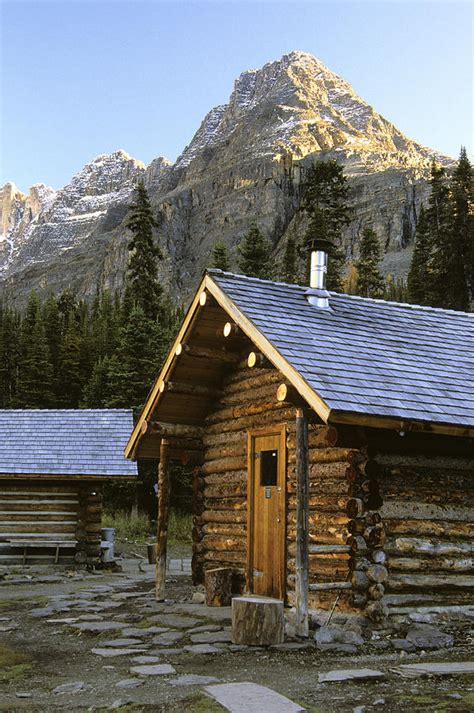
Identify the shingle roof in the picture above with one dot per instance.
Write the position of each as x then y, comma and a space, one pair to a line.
367, 356
65, 442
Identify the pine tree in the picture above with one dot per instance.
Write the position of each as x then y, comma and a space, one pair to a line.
462, 224
143, 288
97, 391
9, 356
325, 199
419, 278
254, 253
289, 270
370, 281
219, 256
69, 381
35, 372
448, 278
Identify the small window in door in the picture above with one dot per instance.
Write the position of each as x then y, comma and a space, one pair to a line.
268, 468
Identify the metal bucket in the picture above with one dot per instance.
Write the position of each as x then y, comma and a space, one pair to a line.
108, 534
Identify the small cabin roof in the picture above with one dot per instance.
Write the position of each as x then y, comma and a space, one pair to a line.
65, 442
367, 356
361, 361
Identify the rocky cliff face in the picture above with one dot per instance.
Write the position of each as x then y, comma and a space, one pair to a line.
245, 162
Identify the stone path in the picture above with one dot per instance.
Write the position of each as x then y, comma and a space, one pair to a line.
250, 698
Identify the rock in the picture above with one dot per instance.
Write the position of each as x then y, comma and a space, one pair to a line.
410, 670
198, 598
8, 627
191, 679
129, 683
293, 646
332, 634
175, 621
379, 702
402, 645
201, 649
250, 697
169, 652
423, 636
359, 674
122, 643
163, 669
108, 653
205, 627
211, 637
146, 659
95, 627
73, 687
23, 694
149, 631
168, 638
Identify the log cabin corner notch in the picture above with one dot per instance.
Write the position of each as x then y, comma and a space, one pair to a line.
53, 463
378, 410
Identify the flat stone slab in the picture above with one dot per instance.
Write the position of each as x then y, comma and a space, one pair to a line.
191, 679
163, 669
73, 687
108, 653
146, 659
434, 669
250, 697
359, 674
121, 643
149, 631
97, 626
211, 637
174, 621
201, 649
205, 627
168, 638
130, 683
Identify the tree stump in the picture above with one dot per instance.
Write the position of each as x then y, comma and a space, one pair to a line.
257, 621
218, 583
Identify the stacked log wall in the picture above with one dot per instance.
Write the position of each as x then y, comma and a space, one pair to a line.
220, 489
428, 516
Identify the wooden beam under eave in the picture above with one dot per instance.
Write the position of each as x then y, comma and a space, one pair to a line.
398, 424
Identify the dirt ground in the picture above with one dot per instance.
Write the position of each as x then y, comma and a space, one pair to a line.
37, 655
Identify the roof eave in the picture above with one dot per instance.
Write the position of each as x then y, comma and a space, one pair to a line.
354, 418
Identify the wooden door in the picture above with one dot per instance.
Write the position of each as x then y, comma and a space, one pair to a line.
266, 512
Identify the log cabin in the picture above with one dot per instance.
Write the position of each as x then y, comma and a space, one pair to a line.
332, 443
53, 465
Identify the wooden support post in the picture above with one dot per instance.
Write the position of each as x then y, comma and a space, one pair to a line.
302, 523
162, 524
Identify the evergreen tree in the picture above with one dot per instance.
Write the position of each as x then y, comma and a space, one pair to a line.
143, 288
219, 256
254, 253
9, 356
370, 281
35, 372
325, 199
69, 381
448, 277
97, 391
462, 225
289, 271
419, 278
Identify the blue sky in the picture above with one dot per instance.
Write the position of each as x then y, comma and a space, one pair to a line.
80, 78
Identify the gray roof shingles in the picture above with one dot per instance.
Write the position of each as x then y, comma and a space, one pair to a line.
65, 442
367, 356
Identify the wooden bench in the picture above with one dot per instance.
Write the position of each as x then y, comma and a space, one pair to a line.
57, 544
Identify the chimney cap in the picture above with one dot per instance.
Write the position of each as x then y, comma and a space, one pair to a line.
320, 244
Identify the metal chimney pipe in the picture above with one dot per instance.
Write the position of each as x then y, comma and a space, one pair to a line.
319, 268
317, 294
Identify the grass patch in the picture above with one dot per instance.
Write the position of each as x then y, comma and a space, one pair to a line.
199, 703
128, 527
13, 664
180, 527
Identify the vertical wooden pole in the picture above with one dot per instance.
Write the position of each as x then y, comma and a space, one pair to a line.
302, 523
162, 524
